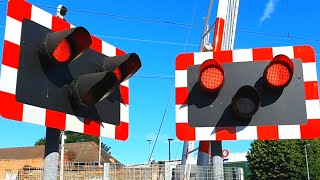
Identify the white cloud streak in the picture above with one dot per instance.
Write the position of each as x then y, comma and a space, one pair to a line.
268, 10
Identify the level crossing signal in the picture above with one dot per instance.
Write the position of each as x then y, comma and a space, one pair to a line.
59, 71
246, 94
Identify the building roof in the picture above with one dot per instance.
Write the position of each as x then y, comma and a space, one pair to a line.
75, 152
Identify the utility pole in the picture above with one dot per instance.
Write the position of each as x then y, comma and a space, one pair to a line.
169, 140
149, 160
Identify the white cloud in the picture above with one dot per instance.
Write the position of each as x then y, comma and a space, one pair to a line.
268, 10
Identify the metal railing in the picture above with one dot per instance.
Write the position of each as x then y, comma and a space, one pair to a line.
33, 170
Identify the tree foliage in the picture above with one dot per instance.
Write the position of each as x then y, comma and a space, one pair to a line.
73, 137
284, 159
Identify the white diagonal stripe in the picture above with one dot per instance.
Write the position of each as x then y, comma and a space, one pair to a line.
246, 132
108, 49
124, 113
8, 79
313, 109
309, 71
33, 114
242, 55
205, 133
107, 130
285, 50
74, 123
182, 113
200, 57
125, 83
13, 30
181, 78
41, 17
289, 132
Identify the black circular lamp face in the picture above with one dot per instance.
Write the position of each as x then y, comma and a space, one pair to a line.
246, 102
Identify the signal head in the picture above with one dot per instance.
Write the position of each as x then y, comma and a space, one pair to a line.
211, 76
65, 46
279, 72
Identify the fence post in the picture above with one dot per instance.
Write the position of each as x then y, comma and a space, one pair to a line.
106, 171
168, 171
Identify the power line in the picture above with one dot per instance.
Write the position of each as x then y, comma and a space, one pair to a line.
126, 17
164, 114
145, 40
239, 30
192, 21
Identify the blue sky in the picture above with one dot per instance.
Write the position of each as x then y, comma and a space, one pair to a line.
149, 96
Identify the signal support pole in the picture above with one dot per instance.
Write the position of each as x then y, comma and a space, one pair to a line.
51, 155
223, 35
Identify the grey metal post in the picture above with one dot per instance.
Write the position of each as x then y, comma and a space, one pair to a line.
305, 150
63, 137
184, 153
51, 157
170, 139
217, 161
106, 171
206, 24
149, 159
99, 151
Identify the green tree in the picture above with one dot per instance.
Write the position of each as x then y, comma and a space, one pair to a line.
73, 137
284, 159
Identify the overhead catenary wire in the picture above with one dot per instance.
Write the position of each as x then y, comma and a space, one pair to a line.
164, 115
126, 17
192, 21
239, 30
145, 40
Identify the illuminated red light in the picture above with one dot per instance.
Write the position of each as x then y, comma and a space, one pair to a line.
279, 72
117, 72
211, 75
62, 52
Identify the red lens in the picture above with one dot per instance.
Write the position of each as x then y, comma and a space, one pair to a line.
278, 75
117, 72
279, 72
211, 75
212, 78
62, 52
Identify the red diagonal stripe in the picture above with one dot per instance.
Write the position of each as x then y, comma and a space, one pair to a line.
310, 130
59, 24
223, 56
91, 127
19, 9
184, 132
311, 89
182, 95
11, 53
119, 52
267, 132
183, 61
226, 133
262, 54
306, 53
124, 92
9, 107
55, 119
122, 131
96, 44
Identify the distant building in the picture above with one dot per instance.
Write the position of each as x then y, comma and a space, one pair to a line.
15, 160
